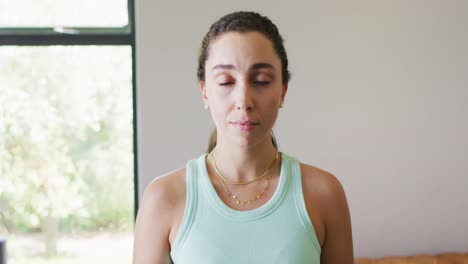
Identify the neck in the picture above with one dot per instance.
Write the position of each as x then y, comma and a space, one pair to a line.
243, 164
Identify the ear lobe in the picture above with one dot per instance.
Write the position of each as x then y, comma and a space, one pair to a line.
203, 91
285, 90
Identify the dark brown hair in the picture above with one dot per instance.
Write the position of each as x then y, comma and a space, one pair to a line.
243, 21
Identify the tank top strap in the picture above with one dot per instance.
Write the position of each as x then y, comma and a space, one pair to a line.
191, 202
300, 202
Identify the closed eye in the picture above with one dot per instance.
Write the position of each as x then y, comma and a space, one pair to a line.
225, 83
261, 83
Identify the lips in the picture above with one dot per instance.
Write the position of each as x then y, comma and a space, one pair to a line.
245, 125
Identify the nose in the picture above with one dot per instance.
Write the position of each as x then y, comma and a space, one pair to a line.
245, 97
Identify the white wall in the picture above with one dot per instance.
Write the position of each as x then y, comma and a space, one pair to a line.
379, 97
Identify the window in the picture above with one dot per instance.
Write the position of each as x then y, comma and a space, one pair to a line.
67, 130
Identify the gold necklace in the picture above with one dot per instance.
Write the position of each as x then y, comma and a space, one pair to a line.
235, 197
256, 197
247, 182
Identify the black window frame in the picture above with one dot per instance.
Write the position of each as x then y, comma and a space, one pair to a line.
83, 36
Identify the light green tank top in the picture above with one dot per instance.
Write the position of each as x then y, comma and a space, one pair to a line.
280, 231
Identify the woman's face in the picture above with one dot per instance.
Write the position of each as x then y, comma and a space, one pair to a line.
243, 87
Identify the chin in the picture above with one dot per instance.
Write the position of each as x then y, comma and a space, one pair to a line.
247, 142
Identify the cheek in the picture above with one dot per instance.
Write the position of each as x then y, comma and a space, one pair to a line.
268, 111
273, 101
220, 101
219, 111
272, 107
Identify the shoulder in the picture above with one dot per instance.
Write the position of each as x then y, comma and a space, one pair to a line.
322, 185
324, 192
158, 209
160, 203
325, 189
165, 192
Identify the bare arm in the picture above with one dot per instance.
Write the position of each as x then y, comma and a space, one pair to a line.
337, 246
151, 244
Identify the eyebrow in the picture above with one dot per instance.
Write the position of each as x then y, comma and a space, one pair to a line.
262, 65
223, 67
256, 66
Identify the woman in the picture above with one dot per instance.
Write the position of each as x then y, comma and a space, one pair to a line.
244, 201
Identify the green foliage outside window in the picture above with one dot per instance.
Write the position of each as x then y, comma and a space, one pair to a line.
66, 153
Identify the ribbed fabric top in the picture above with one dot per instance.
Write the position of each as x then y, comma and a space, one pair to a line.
280, 231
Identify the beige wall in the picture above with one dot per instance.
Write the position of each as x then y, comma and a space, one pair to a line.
379, 97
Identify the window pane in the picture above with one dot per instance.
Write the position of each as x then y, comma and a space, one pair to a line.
66, 151
63, 13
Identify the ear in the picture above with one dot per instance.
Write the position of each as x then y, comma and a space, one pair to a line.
203, 91
283, 93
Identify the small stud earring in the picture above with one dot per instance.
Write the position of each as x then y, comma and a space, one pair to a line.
206, 106
281, 105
